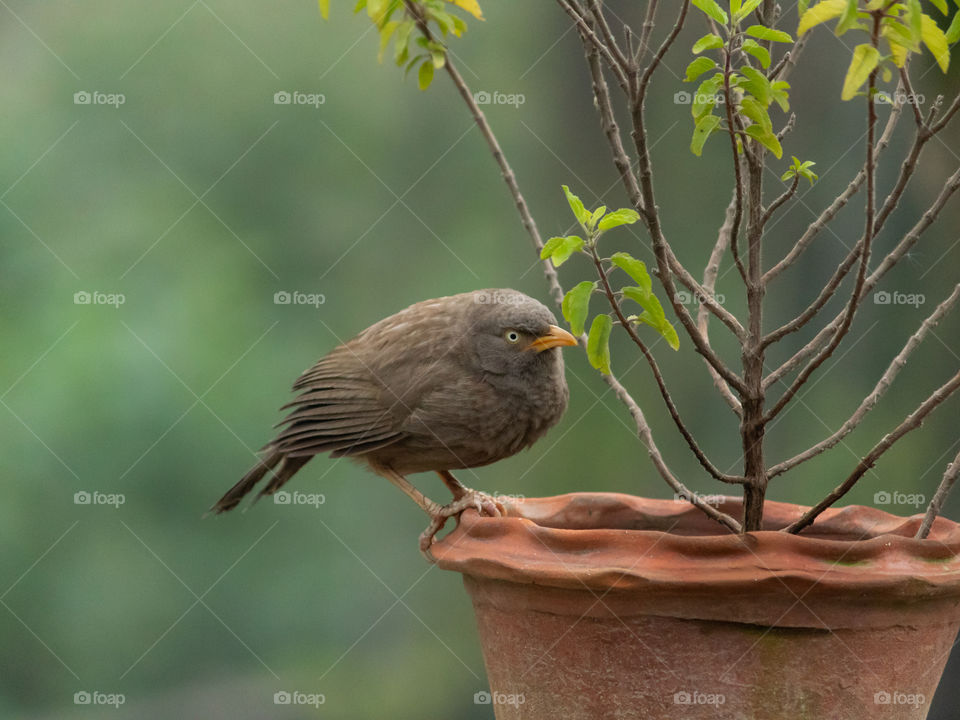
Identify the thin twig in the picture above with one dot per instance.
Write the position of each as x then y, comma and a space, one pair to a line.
786, 195
912, 422
657, 375
878, 391
868, 234
596, 8
839, 202
573, 10
738, 178
709, 285
951, 185
936, 504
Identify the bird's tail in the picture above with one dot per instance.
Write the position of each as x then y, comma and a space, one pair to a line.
283, 469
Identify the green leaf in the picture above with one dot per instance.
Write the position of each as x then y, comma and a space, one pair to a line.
953, 32
819, 13
385, 33
802, 7
636, 269
597, 214
747, 8
788, 174
401, 42
707, 42
712, 9
764, 33
865, 59
698, 67
765, 138
758, 51
936, 41
941, 5
579, 211
779, 90
623, 216
752, 108
705, 125
576, 305
757, 84
471, 6
425, 74
598, 343
915, 20
324, 8
848, 20
705, 98
559, 249
652, 314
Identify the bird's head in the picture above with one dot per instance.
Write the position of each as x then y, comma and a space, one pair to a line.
513, 334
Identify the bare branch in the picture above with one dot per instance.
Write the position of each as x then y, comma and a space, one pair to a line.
738, 178
878, 391
596, 9
657, 375
911, 97
947, 116
577, 14
709, 285
776, 204
644, 83
837, 205
652, 217
892, 258
912, 422
646, 30
933, 509
865, 242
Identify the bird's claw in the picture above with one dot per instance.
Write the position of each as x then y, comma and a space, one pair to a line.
481, 502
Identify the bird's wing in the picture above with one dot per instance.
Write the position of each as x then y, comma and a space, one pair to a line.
342, 407
359, 397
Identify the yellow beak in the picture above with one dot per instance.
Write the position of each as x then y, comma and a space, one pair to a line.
557, 337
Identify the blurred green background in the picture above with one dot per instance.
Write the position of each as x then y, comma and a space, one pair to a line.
199, 198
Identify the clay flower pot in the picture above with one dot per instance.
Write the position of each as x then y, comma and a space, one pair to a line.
599, 605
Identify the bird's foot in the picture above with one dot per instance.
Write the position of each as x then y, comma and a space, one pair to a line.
481, 502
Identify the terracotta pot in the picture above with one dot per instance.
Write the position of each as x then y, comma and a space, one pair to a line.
599, 605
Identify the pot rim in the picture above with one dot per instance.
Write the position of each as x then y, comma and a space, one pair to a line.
612, 541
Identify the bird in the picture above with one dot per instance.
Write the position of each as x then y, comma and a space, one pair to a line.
446, 384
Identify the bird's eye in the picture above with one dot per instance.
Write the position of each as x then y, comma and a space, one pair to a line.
512, 336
